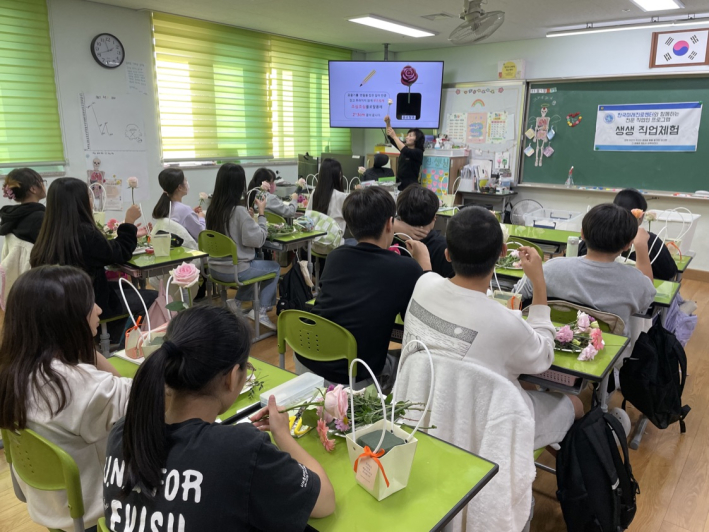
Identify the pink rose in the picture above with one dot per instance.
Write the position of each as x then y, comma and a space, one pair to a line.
565, 334
133, 182
185, 275
589, 353
514, 253
112, 224
336, 402
409, 76
583, 321
597, 339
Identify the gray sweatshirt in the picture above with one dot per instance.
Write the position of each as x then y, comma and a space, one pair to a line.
607, 286
275, 205
248, 236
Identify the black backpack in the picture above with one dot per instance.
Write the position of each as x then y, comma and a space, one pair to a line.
295, 293
653, 377
596, 485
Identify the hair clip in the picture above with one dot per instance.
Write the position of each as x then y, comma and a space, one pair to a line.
7, 192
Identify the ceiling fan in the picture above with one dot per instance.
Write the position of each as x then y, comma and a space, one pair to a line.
478, 25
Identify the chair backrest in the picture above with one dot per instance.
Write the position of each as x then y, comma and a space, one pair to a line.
44, 466
101, 525
515, 243
274, 218
315, 337
217, 245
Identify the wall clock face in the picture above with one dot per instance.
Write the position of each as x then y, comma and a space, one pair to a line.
107, 50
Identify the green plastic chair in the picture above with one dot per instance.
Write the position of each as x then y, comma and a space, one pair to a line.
219, 246
44, 466
274, 218
315, 338
515, 243
102, 527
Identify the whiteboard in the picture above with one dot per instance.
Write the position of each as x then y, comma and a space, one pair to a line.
113, 123
487, 117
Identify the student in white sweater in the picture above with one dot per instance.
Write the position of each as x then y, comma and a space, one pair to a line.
329, 194
229, 216
175, 187
53, 382
274, 204
455, 318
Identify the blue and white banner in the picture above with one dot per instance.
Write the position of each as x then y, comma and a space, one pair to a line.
648, 127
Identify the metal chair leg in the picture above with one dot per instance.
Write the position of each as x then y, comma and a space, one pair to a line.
223, 295
639, 431
282, 360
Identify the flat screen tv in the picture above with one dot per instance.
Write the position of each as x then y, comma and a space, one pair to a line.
360, 92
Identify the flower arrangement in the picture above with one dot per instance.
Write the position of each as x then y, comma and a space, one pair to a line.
109, 229
279, 230
132, 184
582, 336
511, 260
185, 276
331, 410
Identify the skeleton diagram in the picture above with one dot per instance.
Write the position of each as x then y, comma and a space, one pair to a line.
96, 175
541, 129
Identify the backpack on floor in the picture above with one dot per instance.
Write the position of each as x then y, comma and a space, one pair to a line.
653, 377
596, 487
293, 289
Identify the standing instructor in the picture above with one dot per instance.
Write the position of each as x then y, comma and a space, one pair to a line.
411, 157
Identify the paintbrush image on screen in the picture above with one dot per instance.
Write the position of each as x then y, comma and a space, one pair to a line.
408, 104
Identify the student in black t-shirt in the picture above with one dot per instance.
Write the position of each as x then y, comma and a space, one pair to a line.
417, 206
411, 156
178, 469
663, 265
378, 170
364, 287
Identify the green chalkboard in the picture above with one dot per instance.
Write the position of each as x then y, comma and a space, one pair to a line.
574, 146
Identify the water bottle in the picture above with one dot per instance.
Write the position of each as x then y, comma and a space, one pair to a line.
572, 246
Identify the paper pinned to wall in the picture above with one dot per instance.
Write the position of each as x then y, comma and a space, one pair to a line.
497, 127
115, 168
136, 77
457, 124
113, 123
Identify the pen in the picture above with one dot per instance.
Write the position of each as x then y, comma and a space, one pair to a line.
368, 77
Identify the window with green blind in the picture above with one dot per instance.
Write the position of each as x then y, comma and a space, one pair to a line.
228, 93
30, 131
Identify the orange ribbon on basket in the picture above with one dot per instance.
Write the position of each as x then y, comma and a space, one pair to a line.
369, 454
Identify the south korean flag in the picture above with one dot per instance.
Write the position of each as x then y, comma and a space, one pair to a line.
682, 48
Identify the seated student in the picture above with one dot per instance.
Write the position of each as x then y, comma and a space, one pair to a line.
229, 216
26, 187
53, 382
176, 466
496, 338
274, 204
596, 280
175, 187
378, 170
364, 287
329, 196
69, 236
417, 206
663, 265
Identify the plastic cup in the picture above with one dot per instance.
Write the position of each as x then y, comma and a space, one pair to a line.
161, 245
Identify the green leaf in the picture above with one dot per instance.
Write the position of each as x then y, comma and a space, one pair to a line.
310, 418
176, 306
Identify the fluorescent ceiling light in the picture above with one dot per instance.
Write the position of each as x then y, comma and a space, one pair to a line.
389, 25
658, 5
590, 28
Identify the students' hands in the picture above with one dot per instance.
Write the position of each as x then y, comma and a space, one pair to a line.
417, 233
531, 265
642, 238
420, 253
276, 422
260, 205
144, 230
132, 214
197, 209
251, 211
294, 196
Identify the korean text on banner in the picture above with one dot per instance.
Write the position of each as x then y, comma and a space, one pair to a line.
648, 127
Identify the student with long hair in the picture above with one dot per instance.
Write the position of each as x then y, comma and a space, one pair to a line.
175, 187
329, 194
53, 382
410, 157
229, 216
175, 466
26, 187
273, 202
69, 236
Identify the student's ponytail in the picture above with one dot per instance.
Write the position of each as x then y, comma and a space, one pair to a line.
201, 344
169, 180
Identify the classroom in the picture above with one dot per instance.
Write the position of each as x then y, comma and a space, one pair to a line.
498, 208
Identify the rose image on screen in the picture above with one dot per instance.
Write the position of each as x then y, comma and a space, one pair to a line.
408, 105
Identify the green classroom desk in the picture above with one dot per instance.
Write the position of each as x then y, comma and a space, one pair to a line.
293, 242
427, 503
271, 375
540, 235
144, 265
683, 263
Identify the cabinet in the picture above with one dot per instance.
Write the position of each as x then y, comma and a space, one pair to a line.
440, 172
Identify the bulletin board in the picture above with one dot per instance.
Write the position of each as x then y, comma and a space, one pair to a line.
487, 117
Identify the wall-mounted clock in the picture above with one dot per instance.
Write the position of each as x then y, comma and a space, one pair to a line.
107, 50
